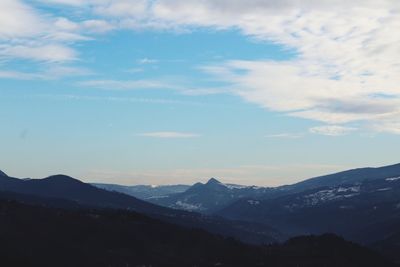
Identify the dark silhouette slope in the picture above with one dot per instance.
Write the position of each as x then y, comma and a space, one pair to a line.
36, 236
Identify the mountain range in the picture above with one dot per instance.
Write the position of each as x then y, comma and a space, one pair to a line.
210, 197
67, 192
361, 205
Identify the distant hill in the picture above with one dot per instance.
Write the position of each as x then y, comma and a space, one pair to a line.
209, 197
144, 192
212, 196
65, 187
347, 177
45, 237
366, 211
2, 174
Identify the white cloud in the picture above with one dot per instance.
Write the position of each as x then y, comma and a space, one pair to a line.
97, 26
122, 8
390, 126
285, 135
19, 20
47, 73
66, 2
169, 135
19, 75
332, 130
125, 84
52, 53
29, 34
347, 55
147, 61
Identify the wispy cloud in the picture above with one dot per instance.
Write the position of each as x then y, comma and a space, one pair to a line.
54, 71
169, 135
6, 74
155, 101
285, 135
332, 130
124, 84
147, 61
344, 60
134, 70
179, 84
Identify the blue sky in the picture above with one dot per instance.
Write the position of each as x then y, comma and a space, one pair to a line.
161, 92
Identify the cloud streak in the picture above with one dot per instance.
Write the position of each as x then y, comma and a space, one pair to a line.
124, 84
285, 135
168, 135
331, 130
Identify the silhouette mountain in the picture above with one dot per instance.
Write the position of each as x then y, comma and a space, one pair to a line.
3, 174
38, 236
65, 187
209, 197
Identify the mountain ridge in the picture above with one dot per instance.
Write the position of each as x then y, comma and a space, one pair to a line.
62, 187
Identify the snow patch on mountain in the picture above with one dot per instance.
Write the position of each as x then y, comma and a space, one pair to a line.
349, 189
188, 206
392, 179
253, 202
235, 186
384, 189
331, 195
157, 197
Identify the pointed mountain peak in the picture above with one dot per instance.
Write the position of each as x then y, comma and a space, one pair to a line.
213, 181
3, 174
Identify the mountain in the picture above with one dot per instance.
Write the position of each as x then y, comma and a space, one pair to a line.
68, 192
65, 187
144, 192
40, 236
209, 197
366, 211
346, 177
3, 174
212, 196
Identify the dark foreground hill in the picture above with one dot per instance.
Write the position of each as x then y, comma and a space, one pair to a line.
42, 236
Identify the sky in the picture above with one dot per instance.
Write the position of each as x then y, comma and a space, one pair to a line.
257, 92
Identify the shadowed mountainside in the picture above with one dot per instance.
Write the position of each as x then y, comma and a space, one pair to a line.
37, 236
